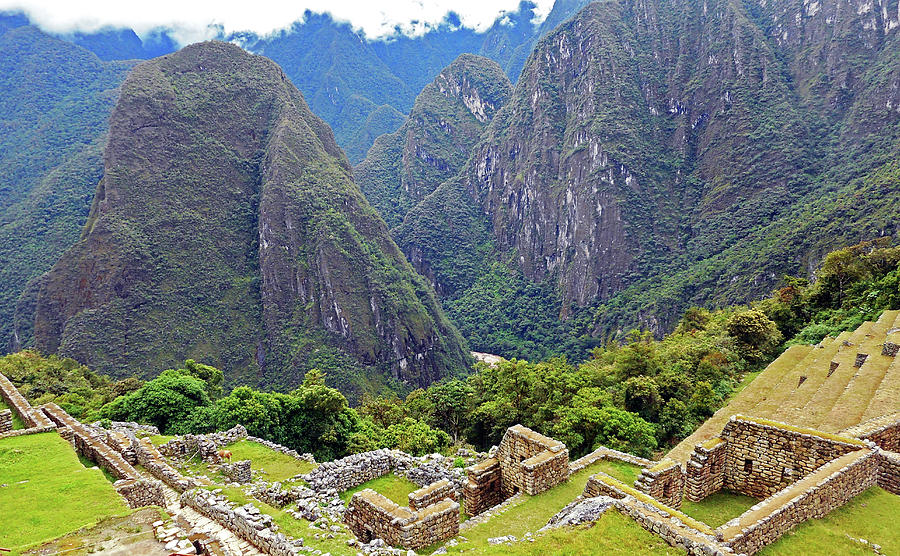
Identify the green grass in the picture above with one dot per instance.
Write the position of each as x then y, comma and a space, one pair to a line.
16, 421
392, 487
88, 463
534, 511
160, 439
49, 493
870, 516
716, 509
275, 465
614, 533
625, 472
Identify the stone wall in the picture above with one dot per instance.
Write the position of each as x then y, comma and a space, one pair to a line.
705, 470
530, 462
890, 349
372, 516
889, 471
247, 522
150, 458
351, 471
883, 431
17, 402
431, 494
204, 445
816, 495
664, 482
482, 488
141, 492
89, 444
237, 472
762, 457
602, 453
6, 423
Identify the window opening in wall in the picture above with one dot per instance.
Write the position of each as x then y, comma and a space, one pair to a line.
748, 466
667, 489
786, 474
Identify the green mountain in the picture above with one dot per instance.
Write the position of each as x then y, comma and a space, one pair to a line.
55, 99
444, 124
227, 228
658, 155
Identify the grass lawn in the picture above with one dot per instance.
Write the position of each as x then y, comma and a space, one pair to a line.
534, 511
716, 509
49, 492
614, 533
391, 486
16, 421
160, 439
277, 466
869, 516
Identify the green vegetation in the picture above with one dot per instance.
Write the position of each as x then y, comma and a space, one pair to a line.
50, 491
391, 486
868, 516
275, 465
613, 533
55, 100
182, 263
716, 509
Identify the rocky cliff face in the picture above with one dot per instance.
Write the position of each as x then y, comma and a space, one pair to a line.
449, 115
646, 138
227, 228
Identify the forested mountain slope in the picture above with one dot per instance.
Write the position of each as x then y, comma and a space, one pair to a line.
655, 155
55, 99
227, 228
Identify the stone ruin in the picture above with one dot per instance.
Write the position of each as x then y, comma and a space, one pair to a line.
432, 516
525, 461
798, 473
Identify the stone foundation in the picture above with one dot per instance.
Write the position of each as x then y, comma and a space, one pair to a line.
372, 516
664, 482
889, 471
351, 471
150, 458
705, 471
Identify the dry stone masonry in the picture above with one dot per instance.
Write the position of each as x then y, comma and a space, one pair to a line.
372, 516
35, 421
664, 482
204, 445
237, 472
525, 461
6, 423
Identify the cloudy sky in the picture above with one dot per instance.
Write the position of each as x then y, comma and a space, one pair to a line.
193, 18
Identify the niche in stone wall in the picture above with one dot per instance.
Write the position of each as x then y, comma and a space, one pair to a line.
748, 466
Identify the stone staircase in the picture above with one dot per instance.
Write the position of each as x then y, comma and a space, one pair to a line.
192, 522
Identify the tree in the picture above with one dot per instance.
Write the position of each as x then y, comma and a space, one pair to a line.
755, 335
164, 401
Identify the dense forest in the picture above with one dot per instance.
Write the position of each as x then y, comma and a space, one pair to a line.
641, 395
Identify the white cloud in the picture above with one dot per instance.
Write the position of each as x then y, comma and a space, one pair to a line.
198, 19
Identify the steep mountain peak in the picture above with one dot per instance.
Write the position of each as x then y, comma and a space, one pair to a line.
227, 228
444, 124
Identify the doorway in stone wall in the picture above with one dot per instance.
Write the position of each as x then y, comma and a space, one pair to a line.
368, 535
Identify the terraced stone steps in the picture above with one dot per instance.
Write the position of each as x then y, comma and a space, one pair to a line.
826, 395
860, 392
789, 392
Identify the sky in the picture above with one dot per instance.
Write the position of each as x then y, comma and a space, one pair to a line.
194, 20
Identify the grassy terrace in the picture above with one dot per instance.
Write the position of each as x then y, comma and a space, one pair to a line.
718, 508
534, 511
870, 516
614, 533
49, 492
275, 465
391, 486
